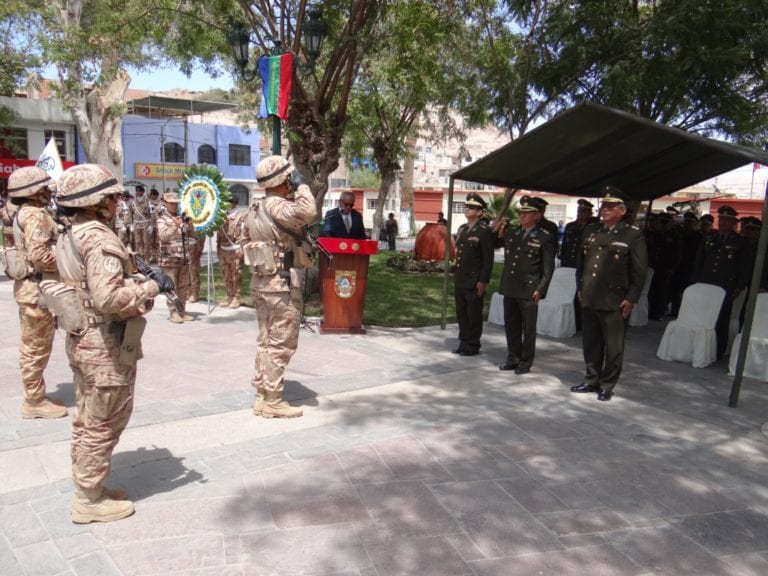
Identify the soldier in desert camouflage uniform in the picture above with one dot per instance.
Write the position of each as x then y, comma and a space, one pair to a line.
6, 213
124, 218
230, 254
272, 251
195, 257
177, 235
141, 223
154, 210
103, 355
34, 234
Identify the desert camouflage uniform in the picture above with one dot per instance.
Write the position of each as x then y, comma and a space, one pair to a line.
7, 218
230, 254
141, 226
278, 302
176, 240
36, 236
104, 387
195, 255
154, 211
124, 221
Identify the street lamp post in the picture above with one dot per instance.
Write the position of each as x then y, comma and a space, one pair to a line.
239, 40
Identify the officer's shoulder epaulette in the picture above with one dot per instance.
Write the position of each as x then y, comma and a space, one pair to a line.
545, 231
634, 227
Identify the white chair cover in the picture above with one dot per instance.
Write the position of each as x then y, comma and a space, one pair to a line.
556, 316
639, 316
756, 365
691, 338
496, 311
733, 326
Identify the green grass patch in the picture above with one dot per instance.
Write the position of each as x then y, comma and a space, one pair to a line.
394, 298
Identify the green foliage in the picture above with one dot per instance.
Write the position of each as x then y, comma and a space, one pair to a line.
405, 262
363, 178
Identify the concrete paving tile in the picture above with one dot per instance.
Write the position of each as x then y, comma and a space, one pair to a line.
58, 522
532, 495
409, 460
582, 540
213, 571
41, 558
496, 523
168, 554
29, 494
490, 469
542, 426
96, 563
424, 556
320, 550
464, 546
231, 488
685, 495
363, 465
582, 521
314, 504
324, 469
79, 545
21, 525
755, 564
668, 551
452, 446
405, 509
723, 533
595, 560
9, 565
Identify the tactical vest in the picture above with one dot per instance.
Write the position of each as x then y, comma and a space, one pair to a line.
265, 253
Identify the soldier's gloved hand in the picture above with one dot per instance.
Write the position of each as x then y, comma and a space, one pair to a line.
164, 281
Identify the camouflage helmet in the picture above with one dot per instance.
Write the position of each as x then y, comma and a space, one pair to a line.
273, 171
28, 181
85, 185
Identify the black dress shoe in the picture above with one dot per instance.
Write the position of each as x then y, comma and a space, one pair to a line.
458, 350
522, 371
604, 395
508, 366
584, 388
469, 352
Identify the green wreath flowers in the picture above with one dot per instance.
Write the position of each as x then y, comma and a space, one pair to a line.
204, 197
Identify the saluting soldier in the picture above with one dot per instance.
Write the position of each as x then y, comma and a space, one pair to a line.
141, 223
529, 262
609, 276
177, 235
474, 265
230, 254
722, 260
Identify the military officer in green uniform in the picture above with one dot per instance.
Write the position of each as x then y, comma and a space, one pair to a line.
609, 277
529, 262
569, 249
474, 264
722, 260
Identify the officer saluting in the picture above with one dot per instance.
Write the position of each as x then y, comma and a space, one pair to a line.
474, 264
609, 276
529, 262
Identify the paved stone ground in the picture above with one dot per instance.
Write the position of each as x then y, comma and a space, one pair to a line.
409, 461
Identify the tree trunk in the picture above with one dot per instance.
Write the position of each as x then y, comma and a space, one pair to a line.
406, 190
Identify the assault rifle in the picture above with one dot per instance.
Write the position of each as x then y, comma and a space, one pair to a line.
310, 236
161, 278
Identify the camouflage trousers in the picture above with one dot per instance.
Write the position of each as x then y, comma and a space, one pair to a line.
104, 391
142, 240
195, 254
37, 331
180, 276
279, 317
231, 263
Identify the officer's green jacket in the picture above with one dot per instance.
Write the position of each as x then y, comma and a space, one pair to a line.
529, 262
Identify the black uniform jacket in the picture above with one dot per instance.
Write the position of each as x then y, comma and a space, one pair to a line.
529, 262
722, 260
612, 266
474, 256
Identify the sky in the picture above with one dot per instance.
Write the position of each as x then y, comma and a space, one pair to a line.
166, 79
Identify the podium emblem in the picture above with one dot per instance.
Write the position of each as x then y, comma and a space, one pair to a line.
345, 283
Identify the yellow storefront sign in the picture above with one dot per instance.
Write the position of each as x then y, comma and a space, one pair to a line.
168, 171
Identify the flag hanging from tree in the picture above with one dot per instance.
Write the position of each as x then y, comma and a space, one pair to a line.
276, 74
50, 161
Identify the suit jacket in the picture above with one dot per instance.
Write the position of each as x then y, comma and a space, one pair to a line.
334, 225
529, 262
612, 266
474, 256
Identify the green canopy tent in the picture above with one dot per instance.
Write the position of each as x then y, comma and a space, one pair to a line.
590, 145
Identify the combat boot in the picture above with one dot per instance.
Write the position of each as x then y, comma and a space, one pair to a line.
258, 404
224, 303
274, 406
187, 317
96, 506
234, 304
192, 298
176, 318
45, 408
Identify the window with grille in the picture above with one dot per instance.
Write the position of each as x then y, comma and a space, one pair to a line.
173, 152
239, 155
206, 154
61, 141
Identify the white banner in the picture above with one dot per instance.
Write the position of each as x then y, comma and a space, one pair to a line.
50, 161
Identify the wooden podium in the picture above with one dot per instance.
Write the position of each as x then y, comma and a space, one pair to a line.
342, 284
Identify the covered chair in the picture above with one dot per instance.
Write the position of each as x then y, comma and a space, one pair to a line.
733, 325
496, 311
556, 315
691, 338
639, 316
756, 365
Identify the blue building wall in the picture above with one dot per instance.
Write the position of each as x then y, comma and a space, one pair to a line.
142, 143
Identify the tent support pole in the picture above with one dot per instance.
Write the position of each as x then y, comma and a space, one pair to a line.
447, 261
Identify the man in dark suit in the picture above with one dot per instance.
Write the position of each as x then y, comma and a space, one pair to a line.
722, 260
344, 221
529, 262
474, 264
609, 277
